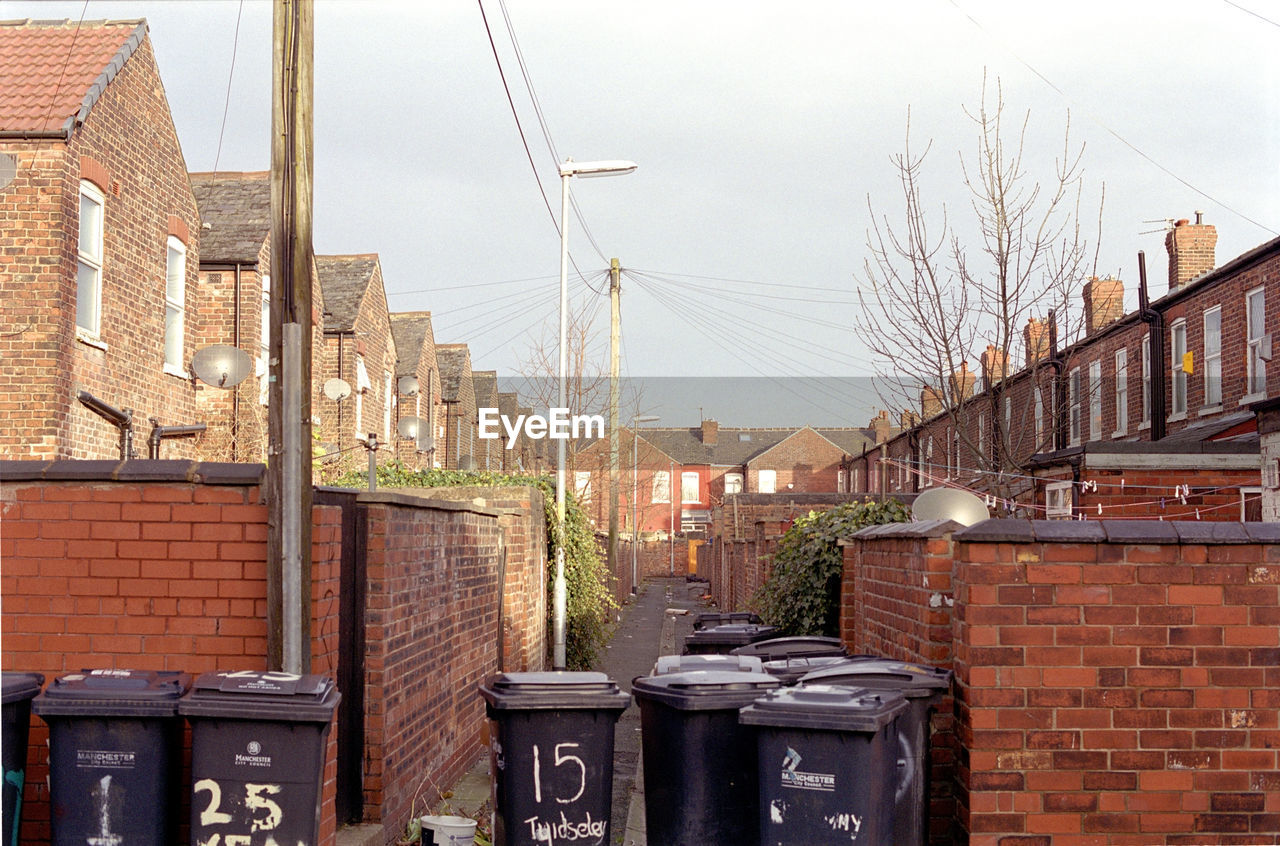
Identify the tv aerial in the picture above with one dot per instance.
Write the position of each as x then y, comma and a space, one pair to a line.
949, 504
221, 366
337, 389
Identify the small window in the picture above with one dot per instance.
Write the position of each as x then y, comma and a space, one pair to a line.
388, 401
1038, 411
690, 488
175, 298
582, 485
1258, 342
1057, 500
1122, 392
89, 261
1146, 380
768, 481
1213, 357
732, 483
1095, 400
744, 437
1074, 389
1177, 352
661, 487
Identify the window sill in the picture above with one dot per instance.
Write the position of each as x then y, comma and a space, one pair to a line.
1251, 398
1210, 411
90, 340
1146, 424
1120, 433
1176, 418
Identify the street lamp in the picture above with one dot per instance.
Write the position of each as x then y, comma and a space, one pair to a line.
635, 489
569, 169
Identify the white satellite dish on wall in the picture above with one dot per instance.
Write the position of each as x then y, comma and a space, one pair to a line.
949, 504
221, 366
409, 427
337, 389
407, 386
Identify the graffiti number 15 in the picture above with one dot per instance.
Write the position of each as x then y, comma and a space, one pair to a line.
558, 761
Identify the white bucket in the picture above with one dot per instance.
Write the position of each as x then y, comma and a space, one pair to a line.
448, 831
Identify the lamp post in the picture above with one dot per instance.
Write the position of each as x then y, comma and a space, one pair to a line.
635, 489
569, 169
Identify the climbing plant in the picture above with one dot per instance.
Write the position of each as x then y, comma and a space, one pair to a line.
589, 603
802, 595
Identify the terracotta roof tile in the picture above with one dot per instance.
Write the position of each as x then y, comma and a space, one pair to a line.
52, 70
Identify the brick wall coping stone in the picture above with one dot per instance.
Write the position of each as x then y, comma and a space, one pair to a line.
421, 498
1118, 531
136, 470
921, 529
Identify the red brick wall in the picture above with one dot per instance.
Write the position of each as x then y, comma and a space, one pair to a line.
806, 462
163, 575
654, 559
1116, 682
129, 137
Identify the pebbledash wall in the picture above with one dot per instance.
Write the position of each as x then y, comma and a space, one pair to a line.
162, 565
1117, 682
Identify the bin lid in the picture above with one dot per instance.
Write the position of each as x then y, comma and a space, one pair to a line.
704, 690
113, 693
685, 663
553, 689
781, 647
792, 668
914, 680
731, 633
708, 619
825, 707
20, 686
262, 695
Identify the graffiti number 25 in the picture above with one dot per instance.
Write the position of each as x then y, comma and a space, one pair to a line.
558, 761
265, 814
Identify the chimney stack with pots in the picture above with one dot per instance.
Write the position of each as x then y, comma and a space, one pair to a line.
1103, 303
1036, 336
1191, 250
995, 365
710, 432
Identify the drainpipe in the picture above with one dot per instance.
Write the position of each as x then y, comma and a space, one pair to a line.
1155, 320
235, 342
121, 419
1060, 435
159, 433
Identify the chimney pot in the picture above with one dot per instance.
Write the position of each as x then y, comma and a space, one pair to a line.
1191, 250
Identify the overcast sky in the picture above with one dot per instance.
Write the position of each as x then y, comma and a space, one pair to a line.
761, 131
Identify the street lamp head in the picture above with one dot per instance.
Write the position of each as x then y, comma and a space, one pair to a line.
648, 418
590, 169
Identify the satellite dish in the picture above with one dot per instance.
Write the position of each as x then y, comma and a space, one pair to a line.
221, 366
409, 427
425, 442
337, 389
407, 386
949, 504
467, 462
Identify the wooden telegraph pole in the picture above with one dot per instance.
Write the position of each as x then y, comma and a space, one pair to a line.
289, 411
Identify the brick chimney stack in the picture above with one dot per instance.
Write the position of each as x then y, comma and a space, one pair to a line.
995, 365
930, 403
1036, 336
710, 432
880, 424
1191, 250
962, 382
1103, 303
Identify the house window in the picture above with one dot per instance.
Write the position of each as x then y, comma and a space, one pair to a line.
1073, 405
362, 385
1178, 349
1213, 357
1057, 500
1146, 380
1038, 411
1122, 392
768, 481
388, 399
582, 485
733, 483
1095, 400
689, 488
982, 437
661, 487
1258, 342
175, 298
89, 261
840, 481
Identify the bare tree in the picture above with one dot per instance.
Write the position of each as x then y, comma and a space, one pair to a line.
934, 298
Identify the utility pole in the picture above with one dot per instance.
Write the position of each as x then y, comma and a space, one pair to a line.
615, 335
288, 489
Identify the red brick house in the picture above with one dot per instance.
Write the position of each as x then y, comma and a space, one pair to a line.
416, 361
100, 244
488, 450
235, 288
458, 429
1150, 415
360, 350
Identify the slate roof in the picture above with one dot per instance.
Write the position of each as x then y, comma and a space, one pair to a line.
453, 360
509, 405
410, 329
235, 212
486, 388
737, 446
52, 72
344, 281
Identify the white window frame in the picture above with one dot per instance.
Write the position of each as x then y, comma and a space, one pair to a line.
89, 265
582, 485
767, 481
1178, 376
1057, 501
1122, 393
1212, 360
1146, 382
982, 436
1038, 411
388, 398
1256, 367
362, 385
661, 487
733, 483
175, 303
1095, 400
685, 477
1073, 407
